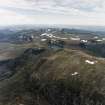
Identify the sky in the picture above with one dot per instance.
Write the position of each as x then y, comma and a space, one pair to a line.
66, 12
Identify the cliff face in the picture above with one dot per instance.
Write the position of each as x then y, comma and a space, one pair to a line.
58, 77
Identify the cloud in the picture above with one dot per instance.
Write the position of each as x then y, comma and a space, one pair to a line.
9, 17
52, 11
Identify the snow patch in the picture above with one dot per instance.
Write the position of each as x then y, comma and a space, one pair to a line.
52, 36
48, 35
75, 73
84, 41
74, 38
95, 37
90, 62
99, 40
43, 40
103, 38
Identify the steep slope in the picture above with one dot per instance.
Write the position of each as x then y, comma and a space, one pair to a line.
61, 77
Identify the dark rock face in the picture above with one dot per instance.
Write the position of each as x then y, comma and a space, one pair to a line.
35, 51
97, 49
56, 44
5, 71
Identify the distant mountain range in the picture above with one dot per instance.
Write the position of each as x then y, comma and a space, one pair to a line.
21, 27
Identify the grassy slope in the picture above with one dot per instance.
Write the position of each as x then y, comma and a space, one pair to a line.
11, 51
47, 80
